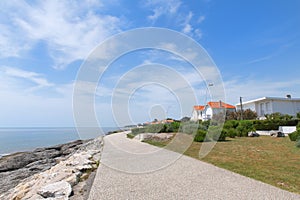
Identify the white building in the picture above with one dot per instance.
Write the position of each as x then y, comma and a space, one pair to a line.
212, 108
269, 105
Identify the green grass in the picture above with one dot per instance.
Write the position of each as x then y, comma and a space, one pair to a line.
130, 135
156, 143
275, 161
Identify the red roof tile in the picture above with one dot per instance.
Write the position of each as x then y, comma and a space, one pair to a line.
199, 107
220, 105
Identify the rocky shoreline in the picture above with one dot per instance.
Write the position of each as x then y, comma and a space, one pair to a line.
59, 172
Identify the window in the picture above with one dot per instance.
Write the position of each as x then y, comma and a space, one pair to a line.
268, 111
262, 110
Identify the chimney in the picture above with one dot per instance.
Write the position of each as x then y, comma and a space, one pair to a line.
288, 96
220, 103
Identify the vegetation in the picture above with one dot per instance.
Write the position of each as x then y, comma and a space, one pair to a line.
271, 160
263, 158
232, 128
237, 115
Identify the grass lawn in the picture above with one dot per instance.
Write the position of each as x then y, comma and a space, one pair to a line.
275, 161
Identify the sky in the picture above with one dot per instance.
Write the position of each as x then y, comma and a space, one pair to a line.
255, 46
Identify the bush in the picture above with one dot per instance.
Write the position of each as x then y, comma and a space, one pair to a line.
216, 133
136, 131
273, 124
172, 127
200, 136
244, 127
232, 133
155, 128
298, 142
231, 124
189, 127
295, 135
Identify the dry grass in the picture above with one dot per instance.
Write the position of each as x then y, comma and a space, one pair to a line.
275, 161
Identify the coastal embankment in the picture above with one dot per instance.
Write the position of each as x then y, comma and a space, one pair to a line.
55, 172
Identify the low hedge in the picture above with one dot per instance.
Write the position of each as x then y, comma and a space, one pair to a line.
295, 135
200, 136
273, 124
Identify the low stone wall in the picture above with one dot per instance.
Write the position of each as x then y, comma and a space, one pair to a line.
154, 136
57, 180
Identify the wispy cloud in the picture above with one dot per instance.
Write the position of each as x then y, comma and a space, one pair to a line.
187, 26
69, 28
31, 76
265, 58
161, 7
252, 88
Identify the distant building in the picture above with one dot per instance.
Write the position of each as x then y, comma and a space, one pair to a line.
198, 113
208, 111
269, 105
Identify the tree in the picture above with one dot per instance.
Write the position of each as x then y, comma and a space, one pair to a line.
248, 114
185, 119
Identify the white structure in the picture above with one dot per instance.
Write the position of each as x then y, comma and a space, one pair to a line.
287, 129
212, 108
269, 105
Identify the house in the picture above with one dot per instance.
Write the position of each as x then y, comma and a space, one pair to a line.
210, 109
269, 105
198, 113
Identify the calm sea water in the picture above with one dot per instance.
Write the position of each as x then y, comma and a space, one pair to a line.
27, 139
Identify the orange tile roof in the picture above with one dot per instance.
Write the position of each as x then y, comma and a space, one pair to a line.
199, 107
217, 105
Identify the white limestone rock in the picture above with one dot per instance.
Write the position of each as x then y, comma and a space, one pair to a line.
61, 189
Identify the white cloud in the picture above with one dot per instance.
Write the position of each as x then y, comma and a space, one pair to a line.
260, 59
198, 33
31, 76
71, 29
252, 88
187, 27
201, 19
22, 107
161, 7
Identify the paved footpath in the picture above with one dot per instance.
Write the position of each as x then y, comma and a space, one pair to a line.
133, 170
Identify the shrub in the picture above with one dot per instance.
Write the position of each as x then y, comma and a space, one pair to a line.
136, 131
216, 133
130, 135
231, 133
189, 127
244, 127
231, 124
200, 136
273, 124
173, 127
155, 128
298, 142
295, 135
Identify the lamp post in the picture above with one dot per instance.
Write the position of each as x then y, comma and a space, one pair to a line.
207, 87
205, 103
241, 102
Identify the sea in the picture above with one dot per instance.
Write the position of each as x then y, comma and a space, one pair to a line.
14, 140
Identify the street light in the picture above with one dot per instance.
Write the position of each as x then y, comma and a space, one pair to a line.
241, 102
209, 85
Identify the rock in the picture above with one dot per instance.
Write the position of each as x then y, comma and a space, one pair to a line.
154, 136
57, 189
276, 134
253, 134
16, 167
39, 181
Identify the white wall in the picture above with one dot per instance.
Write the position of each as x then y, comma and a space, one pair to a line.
209, 112
286, 107
270, 106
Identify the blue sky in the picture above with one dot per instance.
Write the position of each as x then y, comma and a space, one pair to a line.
254, 44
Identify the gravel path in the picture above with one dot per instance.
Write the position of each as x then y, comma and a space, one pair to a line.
133, 170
